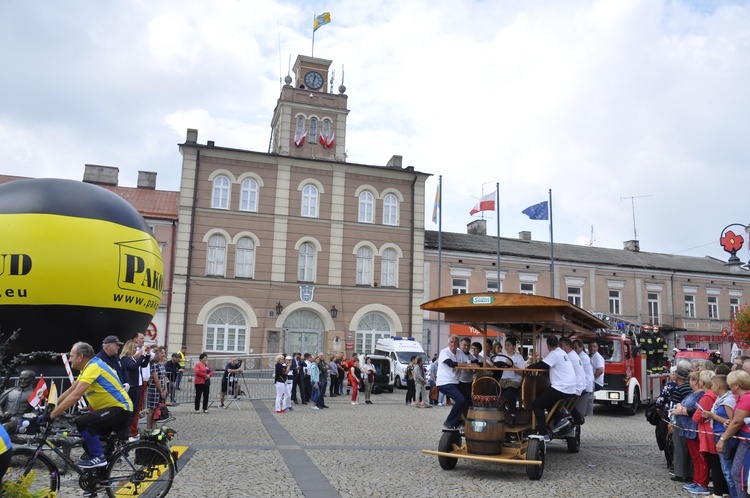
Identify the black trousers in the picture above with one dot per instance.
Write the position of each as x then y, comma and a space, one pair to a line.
295, 384
334, 387
545, 401
201, 390
306, 389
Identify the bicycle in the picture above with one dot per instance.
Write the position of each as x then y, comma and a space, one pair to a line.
141, 468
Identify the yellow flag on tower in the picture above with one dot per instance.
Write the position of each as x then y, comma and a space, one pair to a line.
320, 20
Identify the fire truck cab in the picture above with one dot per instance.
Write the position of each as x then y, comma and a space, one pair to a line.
627, 381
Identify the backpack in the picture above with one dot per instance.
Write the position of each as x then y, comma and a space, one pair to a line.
410, 372
652, 413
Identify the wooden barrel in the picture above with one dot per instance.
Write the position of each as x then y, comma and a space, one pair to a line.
485, 431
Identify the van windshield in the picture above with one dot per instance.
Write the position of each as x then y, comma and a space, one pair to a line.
405, 356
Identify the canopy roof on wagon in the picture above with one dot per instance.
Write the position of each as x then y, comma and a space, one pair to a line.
516, 312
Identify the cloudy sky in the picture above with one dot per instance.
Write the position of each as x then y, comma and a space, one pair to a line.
600, 101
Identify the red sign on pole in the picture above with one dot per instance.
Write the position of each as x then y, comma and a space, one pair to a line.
349, 345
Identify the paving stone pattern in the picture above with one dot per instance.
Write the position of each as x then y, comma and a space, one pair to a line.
374, 450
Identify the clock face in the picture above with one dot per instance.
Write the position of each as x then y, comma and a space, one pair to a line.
313, 80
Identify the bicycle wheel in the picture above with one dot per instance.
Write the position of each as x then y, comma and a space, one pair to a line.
46, 476
140, 469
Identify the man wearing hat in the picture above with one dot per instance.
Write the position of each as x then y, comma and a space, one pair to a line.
173, 369
109, 355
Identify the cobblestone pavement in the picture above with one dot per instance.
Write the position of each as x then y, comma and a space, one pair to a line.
374, 450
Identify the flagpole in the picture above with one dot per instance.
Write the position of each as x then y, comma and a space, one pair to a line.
440, 251
551, 248
497, 215
312, 51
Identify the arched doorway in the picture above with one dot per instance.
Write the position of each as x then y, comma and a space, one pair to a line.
303, 332
371, 327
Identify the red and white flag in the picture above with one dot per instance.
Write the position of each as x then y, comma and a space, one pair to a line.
486, 203
329, 141
40, 392
301, 140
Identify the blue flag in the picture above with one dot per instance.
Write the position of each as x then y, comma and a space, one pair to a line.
537, 211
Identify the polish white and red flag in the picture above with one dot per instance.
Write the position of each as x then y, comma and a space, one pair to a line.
322, 140
40, 392
486, 203
329, 141
301, 140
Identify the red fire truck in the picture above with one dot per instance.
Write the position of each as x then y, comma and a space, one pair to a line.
626, 379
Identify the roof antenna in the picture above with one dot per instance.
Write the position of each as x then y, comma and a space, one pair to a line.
333, 77
632, 202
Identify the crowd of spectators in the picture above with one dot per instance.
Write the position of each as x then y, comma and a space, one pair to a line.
707, 407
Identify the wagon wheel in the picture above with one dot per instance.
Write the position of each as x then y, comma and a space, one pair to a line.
574, 440
447, 440
535, 451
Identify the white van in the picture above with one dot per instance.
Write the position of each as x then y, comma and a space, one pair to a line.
400, 350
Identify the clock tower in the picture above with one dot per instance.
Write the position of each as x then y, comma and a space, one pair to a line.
309, 121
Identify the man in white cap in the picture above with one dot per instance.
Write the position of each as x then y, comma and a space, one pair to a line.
109, 355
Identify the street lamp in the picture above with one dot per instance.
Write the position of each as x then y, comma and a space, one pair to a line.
334, 311
732, 243
279, 307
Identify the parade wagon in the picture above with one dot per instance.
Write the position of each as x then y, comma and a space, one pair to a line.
487, 436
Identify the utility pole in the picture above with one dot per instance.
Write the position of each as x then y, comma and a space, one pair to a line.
632, 203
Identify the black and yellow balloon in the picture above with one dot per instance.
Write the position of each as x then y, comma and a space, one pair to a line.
77, 262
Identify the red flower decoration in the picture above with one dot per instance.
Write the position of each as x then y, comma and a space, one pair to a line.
731, 242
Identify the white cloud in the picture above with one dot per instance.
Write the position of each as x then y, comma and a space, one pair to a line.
597, 100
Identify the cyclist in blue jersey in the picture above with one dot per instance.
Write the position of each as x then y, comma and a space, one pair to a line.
111, 407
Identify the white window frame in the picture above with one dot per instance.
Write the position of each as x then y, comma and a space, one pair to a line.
233, 330
390, 210
653, 308
364, 266
244, 261
575, 296
326, 128
527, 288
216, 256
734, 306
313, 130
366, 207
306, 262
388, 265
249, 196
299, 129
689, 306
220, 192
459, 286
615, 302
309, 208
713, 307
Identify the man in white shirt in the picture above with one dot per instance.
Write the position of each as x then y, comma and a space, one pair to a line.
143, 356
585, 405
567, 345
448, 378
562, 378
597, 365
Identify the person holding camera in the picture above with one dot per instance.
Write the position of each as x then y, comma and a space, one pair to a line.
229, 379
281, 374
174, 370
142, 358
